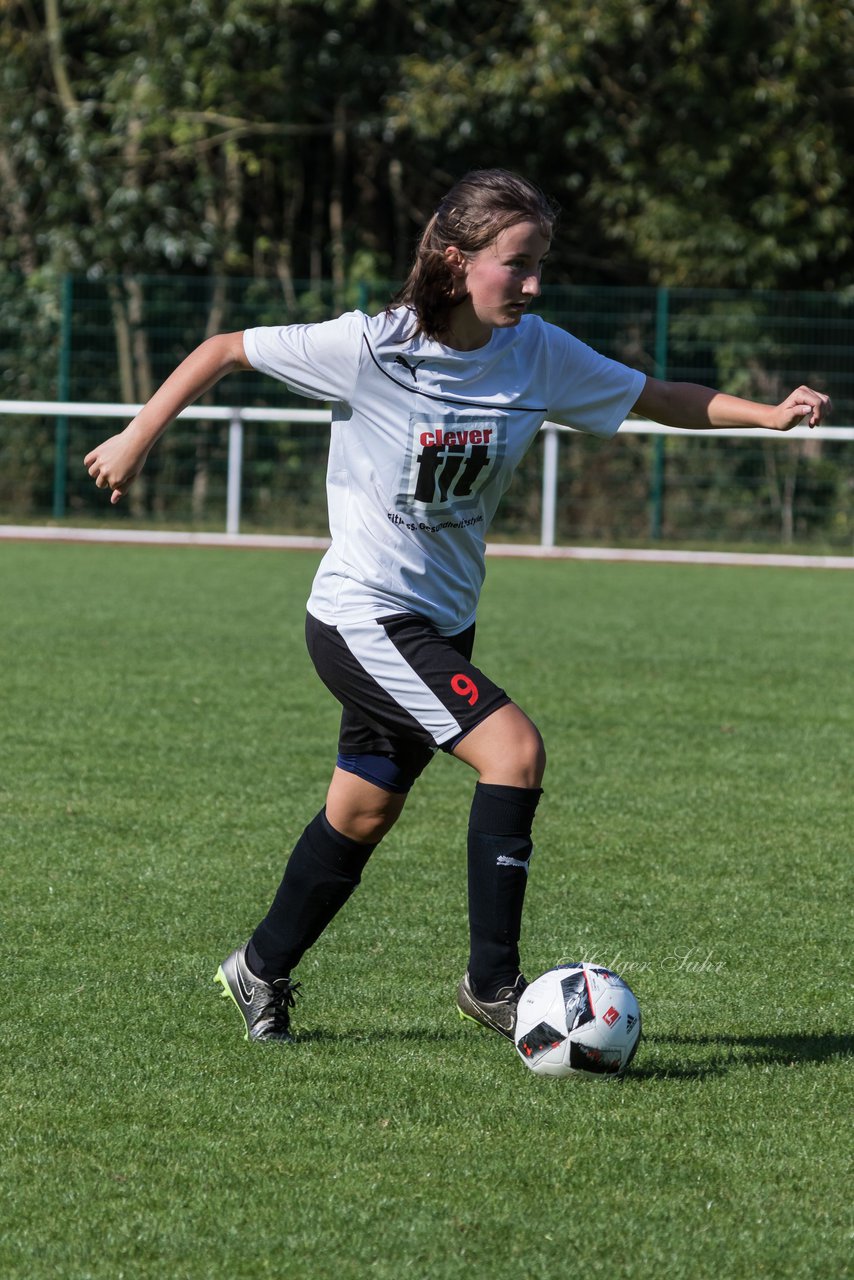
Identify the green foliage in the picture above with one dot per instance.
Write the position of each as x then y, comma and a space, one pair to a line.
691, 142
198, 137
164, 740
696, 142
703, 142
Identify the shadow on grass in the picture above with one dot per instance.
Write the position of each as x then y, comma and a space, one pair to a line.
383, 1035
660, 1057
675, 1057
695, 1057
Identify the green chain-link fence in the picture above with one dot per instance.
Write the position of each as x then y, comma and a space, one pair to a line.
115, 340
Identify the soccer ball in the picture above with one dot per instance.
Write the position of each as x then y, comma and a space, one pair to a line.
578, 1020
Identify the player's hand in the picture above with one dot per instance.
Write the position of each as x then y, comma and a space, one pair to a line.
116, 463
802, 404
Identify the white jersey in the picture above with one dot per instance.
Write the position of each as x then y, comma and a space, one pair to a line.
425, 440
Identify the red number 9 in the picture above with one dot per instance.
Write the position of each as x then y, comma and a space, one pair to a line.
465, 688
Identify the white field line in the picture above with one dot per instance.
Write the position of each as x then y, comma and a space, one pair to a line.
156, 537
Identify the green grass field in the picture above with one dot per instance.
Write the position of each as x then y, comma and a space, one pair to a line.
164, 739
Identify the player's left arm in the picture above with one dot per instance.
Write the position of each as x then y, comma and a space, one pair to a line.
686, 404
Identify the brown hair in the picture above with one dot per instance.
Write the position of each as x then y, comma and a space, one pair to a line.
473, 213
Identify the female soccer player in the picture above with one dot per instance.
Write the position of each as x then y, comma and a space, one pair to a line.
435, 401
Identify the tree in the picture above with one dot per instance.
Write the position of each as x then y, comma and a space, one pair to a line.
697, 141
690, 142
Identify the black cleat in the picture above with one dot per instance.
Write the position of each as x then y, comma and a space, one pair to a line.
498, 1014
264, 1006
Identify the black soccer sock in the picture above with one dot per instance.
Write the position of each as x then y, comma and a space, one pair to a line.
322, 872
499, 847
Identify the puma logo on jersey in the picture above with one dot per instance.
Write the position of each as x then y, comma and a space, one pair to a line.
413, 367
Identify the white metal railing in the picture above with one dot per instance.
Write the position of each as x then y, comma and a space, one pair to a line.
236, 417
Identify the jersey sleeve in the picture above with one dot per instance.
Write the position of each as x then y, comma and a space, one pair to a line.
316, 360
587, 390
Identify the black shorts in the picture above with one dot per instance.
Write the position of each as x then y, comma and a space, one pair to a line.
406, 690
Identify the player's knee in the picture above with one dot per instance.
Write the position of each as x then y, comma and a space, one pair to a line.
506, 749
365, 823
530, 756
370, 827
521, 749
366, 797
520, 758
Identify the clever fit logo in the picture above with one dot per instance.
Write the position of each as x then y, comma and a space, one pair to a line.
451, 464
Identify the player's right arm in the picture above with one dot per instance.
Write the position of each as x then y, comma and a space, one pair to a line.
117, 462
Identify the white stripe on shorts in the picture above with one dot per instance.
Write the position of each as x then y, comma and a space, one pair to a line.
369, 643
